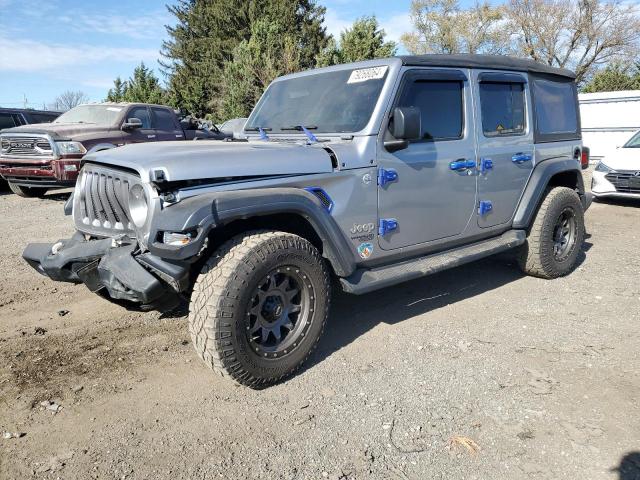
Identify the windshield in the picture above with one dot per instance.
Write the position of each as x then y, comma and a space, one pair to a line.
634, 142
98, 114
333, 102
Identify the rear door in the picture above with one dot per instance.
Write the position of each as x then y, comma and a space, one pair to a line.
505, 143
434, 194
166, 124
147, 132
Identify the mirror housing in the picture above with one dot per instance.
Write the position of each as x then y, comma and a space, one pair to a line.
407, 125
132, 124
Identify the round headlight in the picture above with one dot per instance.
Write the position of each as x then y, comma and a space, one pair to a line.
138, 205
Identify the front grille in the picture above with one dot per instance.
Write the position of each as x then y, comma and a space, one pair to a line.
625, 181
102, 203
26, 146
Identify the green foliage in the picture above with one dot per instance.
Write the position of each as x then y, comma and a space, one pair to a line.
614, 78
365, 40
142, 87
211, 47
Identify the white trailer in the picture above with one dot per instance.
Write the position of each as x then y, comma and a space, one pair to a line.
609, 119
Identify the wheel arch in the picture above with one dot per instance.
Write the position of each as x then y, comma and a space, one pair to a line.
560, 172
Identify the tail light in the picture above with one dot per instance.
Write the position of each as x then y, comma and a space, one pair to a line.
584, 157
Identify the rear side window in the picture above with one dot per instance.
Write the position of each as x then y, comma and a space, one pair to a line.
43, 117
503, 108
143, 114
441, 107
6, 121
555, 104
164, 119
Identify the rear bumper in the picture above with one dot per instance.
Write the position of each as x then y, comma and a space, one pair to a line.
38, 173
116, 268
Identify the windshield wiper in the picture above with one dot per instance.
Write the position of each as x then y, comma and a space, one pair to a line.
306, 129
262, 130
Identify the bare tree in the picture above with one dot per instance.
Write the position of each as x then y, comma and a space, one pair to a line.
442, 26
581, 35
69, 99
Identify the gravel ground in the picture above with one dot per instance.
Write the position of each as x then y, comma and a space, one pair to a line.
475, 373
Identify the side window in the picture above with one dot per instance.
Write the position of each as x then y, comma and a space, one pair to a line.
556, 110
503, 108
143, 114
441, 107
165, 120
43, 117
6, 121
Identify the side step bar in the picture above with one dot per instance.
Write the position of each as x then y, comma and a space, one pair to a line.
368, 280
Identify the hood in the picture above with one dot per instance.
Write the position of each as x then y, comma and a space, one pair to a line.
623, 159
59, 131
188, 160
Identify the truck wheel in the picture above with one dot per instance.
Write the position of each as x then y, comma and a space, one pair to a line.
27, 192
259, 307
556, 236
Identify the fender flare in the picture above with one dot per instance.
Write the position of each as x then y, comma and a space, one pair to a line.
537, 185
206, 212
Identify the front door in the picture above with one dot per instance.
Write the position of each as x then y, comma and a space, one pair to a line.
144, 134
434, 194
505, 144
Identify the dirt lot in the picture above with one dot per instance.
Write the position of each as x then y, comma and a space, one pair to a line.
542, 376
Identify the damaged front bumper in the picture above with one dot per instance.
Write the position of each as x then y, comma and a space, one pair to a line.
114, 266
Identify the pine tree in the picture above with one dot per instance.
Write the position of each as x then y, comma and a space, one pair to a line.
365, 40
117, 93
614, 78
205, 39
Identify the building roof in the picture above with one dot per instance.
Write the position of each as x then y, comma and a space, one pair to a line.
496, 62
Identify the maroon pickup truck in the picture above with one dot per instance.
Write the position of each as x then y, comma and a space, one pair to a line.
36, 158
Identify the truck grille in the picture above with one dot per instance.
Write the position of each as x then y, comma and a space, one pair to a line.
101, 206
26, 146
625, 181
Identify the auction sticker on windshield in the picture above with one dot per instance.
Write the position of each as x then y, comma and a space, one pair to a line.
364, 74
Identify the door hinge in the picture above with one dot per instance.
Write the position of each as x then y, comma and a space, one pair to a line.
386, 176
485, 207
486, 164
387, 225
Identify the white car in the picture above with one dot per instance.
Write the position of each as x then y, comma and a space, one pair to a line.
618, 174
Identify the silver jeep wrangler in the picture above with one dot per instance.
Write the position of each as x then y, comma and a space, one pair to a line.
366, 175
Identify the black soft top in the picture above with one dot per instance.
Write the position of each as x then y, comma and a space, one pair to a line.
496, 62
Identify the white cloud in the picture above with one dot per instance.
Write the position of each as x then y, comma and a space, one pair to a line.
394, 25
335, 23
148, 26
32, 56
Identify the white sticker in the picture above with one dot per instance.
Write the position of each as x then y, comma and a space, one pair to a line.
114, 109
365, 74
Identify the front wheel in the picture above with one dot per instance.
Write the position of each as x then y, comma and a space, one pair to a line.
259, 307
556, 236
27, 192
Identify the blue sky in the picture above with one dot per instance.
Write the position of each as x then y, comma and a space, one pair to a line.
47, 47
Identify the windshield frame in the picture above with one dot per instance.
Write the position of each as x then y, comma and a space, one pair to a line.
115, 119
372, 127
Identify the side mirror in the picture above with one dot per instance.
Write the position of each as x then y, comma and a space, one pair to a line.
132, 124
407, 125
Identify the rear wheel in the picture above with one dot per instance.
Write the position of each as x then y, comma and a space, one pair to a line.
556, 236
27, 192
259, 307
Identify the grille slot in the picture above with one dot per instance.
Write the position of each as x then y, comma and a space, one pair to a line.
102, 206
625, 181
26, 146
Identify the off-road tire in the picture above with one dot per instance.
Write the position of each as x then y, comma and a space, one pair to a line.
536, 256
27, 192
218, 318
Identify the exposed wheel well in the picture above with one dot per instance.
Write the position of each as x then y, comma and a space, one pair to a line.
284, 222
568, 179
